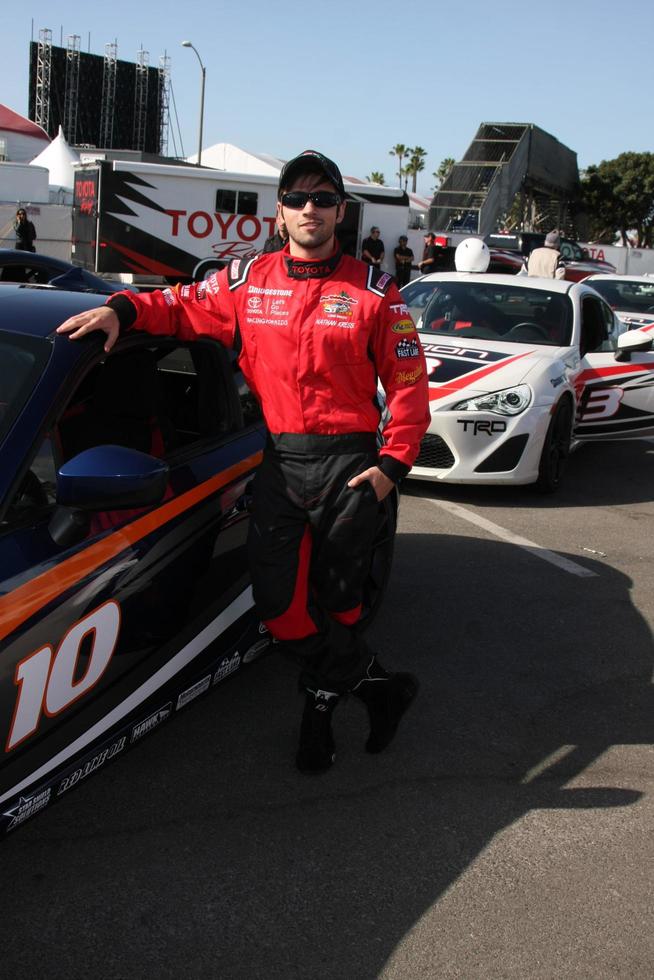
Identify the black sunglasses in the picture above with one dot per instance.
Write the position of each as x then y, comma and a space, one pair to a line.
296, 200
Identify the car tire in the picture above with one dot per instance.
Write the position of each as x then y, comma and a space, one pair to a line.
206, 269
381, 559
556, 448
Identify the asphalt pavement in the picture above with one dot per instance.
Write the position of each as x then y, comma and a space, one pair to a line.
506, 833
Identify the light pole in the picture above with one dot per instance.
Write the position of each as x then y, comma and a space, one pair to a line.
187, 44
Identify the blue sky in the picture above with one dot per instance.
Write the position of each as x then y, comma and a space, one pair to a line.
352, 79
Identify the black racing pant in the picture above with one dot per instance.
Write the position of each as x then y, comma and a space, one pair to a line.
310, 547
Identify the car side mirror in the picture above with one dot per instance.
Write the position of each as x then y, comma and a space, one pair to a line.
632, 342
111, 478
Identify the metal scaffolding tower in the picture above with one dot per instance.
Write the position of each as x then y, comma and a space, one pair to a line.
141, 99
108, 95
164, 103
43, 69
72, 87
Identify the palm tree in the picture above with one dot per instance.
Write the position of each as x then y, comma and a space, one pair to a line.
376, 178
399, 151
416, 163
443, 171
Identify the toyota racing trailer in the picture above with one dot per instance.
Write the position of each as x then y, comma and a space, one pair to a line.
175, 222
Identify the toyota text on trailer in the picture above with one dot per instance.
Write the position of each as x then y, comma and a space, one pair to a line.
172, 222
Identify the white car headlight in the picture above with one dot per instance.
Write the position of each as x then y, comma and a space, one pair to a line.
509, 401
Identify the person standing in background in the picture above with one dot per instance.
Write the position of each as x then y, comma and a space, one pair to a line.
429, 254
372, 248
25, 232
277, 241
403, 256
546, 261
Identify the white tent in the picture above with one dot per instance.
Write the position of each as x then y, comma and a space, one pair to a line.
226, 156
59, 158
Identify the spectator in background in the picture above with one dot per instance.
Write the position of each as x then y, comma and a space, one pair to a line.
429, 259
277, 241
403, 260
25, 232
546, 261
372, 248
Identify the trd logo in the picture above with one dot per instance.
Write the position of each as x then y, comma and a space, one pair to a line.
488, 427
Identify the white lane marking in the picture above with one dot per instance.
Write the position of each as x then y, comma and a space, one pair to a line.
501, 532
223, 621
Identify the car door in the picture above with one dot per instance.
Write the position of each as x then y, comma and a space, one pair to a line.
615, 398
116, 616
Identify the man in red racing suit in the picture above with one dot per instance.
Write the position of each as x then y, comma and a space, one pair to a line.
314, 329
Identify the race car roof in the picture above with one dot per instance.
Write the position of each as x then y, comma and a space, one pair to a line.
646, 279
500, 279
37, 311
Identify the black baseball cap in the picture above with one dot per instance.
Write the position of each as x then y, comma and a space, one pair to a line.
310, 161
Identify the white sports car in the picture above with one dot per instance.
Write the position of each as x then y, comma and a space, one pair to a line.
631, 297
520, 371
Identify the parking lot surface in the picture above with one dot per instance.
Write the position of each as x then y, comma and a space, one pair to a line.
506, 833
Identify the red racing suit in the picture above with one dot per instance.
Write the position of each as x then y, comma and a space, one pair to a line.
313, 338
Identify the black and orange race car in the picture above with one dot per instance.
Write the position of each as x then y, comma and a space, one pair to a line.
124, 586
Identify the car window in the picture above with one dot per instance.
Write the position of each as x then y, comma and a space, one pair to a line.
612, 325
416, 295
35, 495
22, 360
571, 251
160, 399
25, 273
594, 326
628, 297
489, 311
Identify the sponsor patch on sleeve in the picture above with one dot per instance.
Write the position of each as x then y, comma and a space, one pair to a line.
408, 347
408, 377
403, 326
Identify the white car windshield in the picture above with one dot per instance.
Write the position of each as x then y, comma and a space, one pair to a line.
625, 296
487, 311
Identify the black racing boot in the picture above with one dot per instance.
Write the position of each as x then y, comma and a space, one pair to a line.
316, 751
386, 696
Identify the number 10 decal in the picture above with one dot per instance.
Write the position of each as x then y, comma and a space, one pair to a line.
46, 680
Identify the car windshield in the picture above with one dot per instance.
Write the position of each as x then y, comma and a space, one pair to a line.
628, 297
22, 360
416, 295
571, 251
488, 311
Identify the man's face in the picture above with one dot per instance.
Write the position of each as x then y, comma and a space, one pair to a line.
312, 228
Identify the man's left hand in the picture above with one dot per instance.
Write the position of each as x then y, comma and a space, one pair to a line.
381, 484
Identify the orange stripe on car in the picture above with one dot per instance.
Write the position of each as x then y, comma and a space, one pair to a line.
17, 606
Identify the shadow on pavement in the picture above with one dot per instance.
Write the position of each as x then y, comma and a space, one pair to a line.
596, 474
204, 854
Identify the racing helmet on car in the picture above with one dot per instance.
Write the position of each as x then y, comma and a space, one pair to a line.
471, 255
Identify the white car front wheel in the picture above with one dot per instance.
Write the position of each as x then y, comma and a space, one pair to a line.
556, 448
